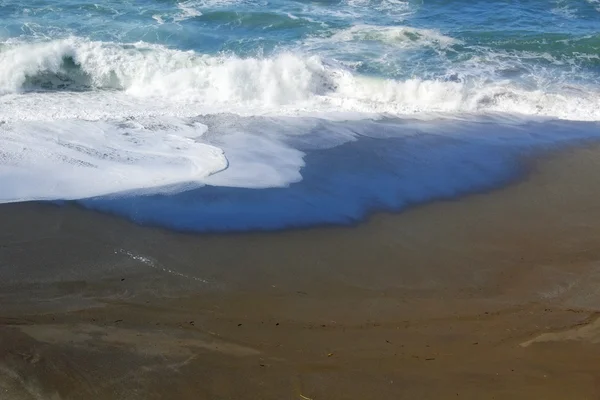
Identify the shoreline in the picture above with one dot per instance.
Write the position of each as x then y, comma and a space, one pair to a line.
491, 293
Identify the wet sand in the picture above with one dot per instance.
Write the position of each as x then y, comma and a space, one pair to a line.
491, 296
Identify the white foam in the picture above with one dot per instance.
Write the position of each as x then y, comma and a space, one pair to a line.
258, 162
151, 80
158, 18
73, 159
401, 36
189, 9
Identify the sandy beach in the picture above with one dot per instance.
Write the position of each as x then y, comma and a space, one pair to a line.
491, 296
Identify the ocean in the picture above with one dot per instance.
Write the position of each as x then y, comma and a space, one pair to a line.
240, 115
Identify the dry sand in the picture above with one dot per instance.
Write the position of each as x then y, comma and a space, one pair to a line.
494, 296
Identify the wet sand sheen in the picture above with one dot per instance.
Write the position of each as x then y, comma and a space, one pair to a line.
494, 295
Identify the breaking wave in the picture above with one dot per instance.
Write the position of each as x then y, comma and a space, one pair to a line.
282, 83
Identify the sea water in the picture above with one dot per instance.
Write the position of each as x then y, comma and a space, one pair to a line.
234, 115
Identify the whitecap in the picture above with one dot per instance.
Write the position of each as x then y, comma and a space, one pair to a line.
78, 78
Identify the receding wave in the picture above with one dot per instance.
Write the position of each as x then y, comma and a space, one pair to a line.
278, 84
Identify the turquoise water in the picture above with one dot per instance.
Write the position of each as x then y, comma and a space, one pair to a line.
240, 115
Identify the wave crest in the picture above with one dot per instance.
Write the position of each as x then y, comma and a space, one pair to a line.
287, 82
151, 70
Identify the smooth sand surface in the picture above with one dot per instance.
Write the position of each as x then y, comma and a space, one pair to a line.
494, 296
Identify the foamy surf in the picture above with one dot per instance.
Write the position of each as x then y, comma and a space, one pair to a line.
233, 115
283, 84
74, 159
